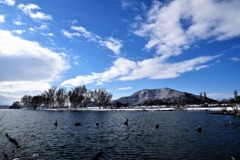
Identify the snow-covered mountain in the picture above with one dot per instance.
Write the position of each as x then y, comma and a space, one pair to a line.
160, 96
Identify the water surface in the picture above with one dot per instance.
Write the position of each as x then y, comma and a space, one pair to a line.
176, 138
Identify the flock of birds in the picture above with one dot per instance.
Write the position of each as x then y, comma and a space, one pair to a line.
199, 128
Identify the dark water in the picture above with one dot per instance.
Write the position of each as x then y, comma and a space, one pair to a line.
176, 137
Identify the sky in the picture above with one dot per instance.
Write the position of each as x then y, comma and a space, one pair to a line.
122, 46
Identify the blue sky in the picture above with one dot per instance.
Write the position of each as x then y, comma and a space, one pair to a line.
120, 45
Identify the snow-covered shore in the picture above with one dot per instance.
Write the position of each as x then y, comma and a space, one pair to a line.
142, 108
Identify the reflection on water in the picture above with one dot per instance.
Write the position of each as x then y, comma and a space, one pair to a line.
176, 137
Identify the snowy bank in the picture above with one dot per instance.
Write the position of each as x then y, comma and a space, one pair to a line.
142, 108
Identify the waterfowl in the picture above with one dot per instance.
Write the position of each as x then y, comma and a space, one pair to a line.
14, 141
199, 129
157, 126
77, 124
55, 123
126, 122
97, 124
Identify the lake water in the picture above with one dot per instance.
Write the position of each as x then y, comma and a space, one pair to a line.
176, 138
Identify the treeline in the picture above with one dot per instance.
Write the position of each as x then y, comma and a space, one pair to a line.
77, 97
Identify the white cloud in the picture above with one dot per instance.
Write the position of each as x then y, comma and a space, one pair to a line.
120, 67
14, 91
70, 35
8, 2
18, 23
32, 29
2, 19
123, 88
111, 43
28, 9
236, 59
23, 60
42, 27
120, 89
26, 86
172, 28
133, 5
154, 68
73, 21
18, 31
26, 67
220, 96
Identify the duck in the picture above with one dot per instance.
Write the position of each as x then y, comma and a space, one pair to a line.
199, 129
157, 126
14, 141
77, 124
126, 122
55, 123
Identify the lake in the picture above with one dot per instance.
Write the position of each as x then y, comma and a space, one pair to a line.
176, 137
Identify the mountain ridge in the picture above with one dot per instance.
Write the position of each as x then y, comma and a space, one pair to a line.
161, 96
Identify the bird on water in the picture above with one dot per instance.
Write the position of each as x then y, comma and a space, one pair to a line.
55, 123
199, 129
126, 122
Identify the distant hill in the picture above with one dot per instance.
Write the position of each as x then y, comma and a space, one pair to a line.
4, 106
160, 97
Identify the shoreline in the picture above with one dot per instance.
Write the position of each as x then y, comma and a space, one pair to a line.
211, 109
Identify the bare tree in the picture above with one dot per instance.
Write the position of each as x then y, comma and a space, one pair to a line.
61, 97
201, 98
101, 97
37, 101
15, 105
26, 101
235, 94
87, 98
76, 96
204, 96
50, 96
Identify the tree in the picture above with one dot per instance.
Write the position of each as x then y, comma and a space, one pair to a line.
236, 97
204, 96
87, 98
61, 97
37, 101
50, 95
26, 101
235, 94
15, 105
76, 95
201, 98
101, 97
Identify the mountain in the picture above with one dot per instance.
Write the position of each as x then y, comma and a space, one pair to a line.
4, 106
161, 96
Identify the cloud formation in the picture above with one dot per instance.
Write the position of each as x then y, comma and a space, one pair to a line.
2, 19
18, 23
8, 2
154, 68
27, 63
111, 43
172, 28
236, 59
29, 10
